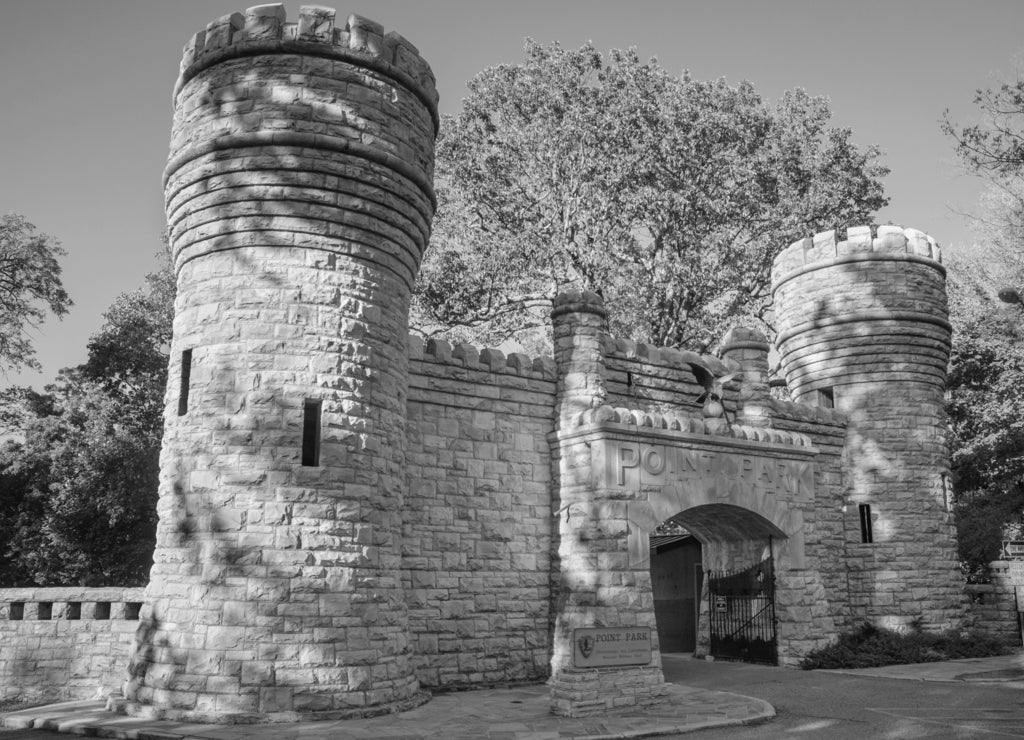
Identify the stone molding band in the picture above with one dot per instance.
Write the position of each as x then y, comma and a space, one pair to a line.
415, 228
863, 316
853, 258
305, 141
759, 346
578, 301
922, 343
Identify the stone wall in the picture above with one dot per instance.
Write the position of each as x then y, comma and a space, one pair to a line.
824, 536
476, 547
657, 379
58, 644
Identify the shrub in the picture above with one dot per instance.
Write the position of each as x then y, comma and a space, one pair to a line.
869, 646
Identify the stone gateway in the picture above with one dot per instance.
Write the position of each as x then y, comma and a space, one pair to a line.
350, 518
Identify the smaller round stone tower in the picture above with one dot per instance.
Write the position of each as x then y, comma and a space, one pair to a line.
863, 327
299, 200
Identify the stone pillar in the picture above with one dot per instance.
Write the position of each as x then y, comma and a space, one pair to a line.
580, 326
863, 326
998, 607
600, 594
749, 347
299, 199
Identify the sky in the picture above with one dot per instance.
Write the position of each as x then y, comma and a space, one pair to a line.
86, 109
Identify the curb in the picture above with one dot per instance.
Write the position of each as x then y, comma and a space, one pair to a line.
687, 712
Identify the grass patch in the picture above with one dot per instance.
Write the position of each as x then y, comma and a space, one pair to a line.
869, 646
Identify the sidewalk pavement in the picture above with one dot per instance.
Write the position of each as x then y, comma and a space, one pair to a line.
1005, 669
490, 714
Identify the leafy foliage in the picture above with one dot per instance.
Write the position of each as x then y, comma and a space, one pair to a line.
985, 404
994, 146
78, 489
986, 390
87, 473
128, 356
667, 195
993, 149
870, 646
30, 285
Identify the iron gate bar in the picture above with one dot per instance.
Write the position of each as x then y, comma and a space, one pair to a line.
744, 629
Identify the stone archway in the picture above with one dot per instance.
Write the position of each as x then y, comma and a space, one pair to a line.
732, 501
618, 477
733, 539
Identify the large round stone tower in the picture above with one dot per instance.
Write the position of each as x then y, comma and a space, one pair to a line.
863, 327
299, 200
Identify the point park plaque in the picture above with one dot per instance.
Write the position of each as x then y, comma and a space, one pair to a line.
601, 647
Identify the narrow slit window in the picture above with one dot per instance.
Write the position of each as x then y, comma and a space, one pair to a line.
74, 610
132, 609
102, 610
45, 610
311, 433
17, 610
866, 535
186, 372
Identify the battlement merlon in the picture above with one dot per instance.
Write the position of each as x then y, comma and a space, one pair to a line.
262, 29
861, 243
482, 359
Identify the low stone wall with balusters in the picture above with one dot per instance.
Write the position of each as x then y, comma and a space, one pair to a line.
65, 643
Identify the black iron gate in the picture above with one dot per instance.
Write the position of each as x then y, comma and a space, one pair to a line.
743, 614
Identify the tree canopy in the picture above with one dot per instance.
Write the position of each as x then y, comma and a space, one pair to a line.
985, 406
985, 398
30, 286
667, 195
78, 487
993, 149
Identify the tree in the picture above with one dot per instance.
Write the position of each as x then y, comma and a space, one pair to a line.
128, 356
985, 405
993, 149
89, 474
667, 195
30, 285
985, 399
78, 491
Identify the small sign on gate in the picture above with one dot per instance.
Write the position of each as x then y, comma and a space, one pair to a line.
721, 605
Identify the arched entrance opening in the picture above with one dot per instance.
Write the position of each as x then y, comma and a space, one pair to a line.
722, 605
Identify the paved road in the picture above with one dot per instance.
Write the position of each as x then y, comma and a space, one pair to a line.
830, 706
812, 704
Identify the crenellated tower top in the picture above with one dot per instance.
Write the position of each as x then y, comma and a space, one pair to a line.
865, 305
857, 244
263, 29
